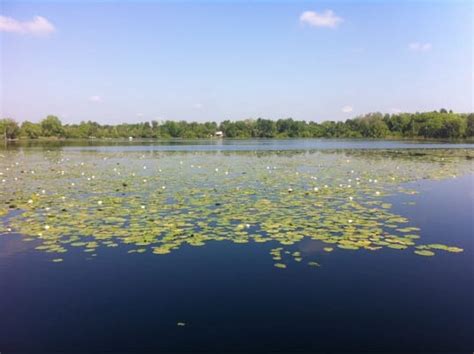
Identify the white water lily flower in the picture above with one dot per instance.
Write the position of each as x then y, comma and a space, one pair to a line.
99, 202
144, 180
349, 221
142, 206
351, 198
316, 189
30, 201
163, 187
377, 193
46, 227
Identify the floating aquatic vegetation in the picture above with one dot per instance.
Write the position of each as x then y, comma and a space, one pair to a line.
424, 253
91, 201
280, 265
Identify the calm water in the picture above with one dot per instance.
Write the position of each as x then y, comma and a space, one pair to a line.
229, 295
239, 144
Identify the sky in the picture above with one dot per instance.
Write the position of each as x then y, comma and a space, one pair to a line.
123, 61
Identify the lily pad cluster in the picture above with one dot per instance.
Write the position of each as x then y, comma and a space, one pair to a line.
160, 201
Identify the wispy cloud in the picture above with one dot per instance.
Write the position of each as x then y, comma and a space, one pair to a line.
347, 109
420, 47
324, 19
95, 99
39, 26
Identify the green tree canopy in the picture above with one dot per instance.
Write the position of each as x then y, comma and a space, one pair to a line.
52, 126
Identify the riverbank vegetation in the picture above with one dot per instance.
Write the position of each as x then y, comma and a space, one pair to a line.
434, 125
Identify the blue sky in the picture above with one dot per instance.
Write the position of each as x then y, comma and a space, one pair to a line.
120, 61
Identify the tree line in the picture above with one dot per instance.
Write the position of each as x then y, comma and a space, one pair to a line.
437, 125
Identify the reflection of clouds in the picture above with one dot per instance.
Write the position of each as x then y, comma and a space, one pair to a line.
311, 246
13, 244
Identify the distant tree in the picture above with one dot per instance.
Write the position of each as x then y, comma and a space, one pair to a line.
470, 125
453, 127
373, 125
52, 126
9, 128
30, 130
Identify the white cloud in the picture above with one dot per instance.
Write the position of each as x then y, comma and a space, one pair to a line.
198, 105
324, 19
95, 99
420, 47
347, 109
39, 26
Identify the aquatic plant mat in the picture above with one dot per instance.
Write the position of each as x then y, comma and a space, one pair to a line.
160, 201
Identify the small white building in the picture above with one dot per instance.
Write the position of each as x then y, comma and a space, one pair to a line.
130, 138
219, 134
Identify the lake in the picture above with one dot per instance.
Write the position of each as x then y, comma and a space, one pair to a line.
237, 245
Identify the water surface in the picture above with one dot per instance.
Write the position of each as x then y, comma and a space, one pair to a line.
96, 255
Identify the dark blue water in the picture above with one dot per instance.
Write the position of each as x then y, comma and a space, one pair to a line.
232, 298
